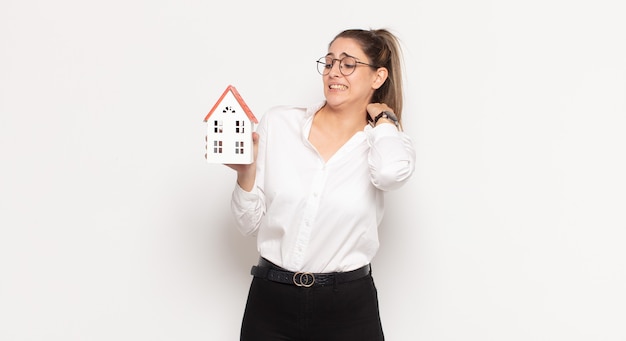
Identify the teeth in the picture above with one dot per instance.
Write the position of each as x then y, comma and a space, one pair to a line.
338, 86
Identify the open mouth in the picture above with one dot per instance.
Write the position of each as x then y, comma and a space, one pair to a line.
337, 87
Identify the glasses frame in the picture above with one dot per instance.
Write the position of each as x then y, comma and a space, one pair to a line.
325, 71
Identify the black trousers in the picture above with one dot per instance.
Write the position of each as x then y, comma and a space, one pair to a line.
282, 312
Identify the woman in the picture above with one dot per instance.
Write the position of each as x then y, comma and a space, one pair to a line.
314, 197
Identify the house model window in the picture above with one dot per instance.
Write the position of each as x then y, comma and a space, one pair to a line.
239, 127
229, 130
218, 126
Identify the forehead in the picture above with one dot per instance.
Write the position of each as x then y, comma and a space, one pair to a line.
346, 46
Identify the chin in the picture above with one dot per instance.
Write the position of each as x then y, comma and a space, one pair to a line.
333, 102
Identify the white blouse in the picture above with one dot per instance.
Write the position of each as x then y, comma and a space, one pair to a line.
316, 216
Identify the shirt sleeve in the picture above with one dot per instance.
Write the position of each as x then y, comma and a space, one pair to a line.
391, 157
247, 209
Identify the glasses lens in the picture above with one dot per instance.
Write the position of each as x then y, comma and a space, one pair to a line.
324, 65
348, 64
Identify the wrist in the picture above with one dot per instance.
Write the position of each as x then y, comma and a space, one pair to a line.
387, 117
383, 120
246, 179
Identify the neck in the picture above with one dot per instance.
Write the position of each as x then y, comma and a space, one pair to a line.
343, 119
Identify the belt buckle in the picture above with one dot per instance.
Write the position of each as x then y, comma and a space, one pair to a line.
303, 279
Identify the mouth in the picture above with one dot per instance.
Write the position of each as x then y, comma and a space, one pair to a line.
337, 87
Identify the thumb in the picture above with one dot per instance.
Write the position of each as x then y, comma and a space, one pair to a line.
255, 142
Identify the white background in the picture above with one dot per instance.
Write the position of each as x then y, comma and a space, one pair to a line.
113, 227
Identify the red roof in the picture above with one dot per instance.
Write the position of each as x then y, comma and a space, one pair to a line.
239, 99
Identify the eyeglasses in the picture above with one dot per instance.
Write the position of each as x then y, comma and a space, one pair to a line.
347, 65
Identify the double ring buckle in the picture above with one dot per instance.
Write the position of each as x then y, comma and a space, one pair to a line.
303, 279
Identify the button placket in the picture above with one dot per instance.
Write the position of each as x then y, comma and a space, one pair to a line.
308, 217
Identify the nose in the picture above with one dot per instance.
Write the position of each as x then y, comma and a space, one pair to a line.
333, 71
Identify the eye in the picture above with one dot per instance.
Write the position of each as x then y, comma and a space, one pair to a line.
348, 63
329, 63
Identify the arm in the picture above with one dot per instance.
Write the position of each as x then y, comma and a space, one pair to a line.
392, 155
248, 199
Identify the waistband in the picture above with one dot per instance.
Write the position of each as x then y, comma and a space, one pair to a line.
268, 270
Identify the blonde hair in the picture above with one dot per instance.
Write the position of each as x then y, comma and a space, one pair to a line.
383, 49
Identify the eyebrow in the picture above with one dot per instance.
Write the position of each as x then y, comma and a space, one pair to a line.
343, 54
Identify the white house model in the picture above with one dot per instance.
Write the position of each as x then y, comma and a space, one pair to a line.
230, 124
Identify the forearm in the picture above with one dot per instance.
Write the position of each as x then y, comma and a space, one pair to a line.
246, 178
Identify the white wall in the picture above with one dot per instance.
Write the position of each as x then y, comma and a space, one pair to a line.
112, 226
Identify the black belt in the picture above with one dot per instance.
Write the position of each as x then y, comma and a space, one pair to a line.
272, 272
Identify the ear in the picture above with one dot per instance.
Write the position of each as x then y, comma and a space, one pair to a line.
380, 77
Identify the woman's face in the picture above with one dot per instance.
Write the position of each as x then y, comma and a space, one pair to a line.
356, 88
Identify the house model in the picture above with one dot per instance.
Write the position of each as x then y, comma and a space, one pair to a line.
229, 130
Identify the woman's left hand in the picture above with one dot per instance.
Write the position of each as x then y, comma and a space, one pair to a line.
373, 109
